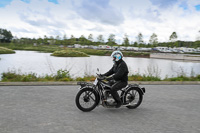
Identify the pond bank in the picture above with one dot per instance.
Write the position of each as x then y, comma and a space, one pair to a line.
53, 48
4, 50
175, 56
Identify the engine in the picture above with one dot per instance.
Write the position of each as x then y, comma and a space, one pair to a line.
108, 99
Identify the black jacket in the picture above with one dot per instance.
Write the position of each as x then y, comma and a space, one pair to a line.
119, 71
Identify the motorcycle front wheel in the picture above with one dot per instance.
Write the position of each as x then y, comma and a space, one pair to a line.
133, 98
86, 99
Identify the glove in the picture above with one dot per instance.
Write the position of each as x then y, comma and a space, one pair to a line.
101, 75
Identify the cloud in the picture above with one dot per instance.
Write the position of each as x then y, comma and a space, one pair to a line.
22, 30
99, 11
164, 3
41, 19
97, 28
33, 18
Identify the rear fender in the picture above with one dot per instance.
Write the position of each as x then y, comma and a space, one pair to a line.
137, 87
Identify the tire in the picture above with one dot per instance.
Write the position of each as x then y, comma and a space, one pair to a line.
134, 97
85, 97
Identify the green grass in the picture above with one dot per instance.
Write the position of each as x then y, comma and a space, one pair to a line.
69, 53
183, 78
30, 47
136, 54
95, 52
139, 77
109, 52
4, 50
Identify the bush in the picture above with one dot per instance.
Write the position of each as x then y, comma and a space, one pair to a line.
62, 74
29, 77
198, 77
12, 76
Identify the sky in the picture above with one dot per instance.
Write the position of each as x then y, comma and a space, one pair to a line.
36, 18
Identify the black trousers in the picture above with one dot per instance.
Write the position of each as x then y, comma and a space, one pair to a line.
115, 87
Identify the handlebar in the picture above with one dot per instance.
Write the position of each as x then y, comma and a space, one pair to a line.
100, 77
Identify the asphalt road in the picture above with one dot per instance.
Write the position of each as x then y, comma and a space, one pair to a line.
52, 109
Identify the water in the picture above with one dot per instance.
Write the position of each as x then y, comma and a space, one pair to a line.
43, 63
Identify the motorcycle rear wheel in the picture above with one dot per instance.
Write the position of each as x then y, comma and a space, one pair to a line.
86, 99
133, 98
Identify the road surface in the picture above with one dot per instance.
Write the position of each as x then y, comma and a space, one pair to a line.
52, 109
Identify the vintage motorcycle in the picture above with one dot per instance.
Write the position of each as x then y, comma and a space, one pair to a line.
98, 93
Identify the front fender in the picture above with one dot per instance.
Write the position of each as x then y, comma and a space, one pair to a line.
85, 85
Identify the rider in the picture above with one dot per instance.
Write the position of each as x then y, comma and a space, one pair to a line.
119, 73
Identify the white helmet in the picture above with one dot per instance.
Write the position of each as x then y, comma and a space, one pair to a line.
117, 55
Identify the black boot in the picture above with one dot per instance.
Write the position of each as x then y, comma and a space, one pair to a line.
119, 103
116, 98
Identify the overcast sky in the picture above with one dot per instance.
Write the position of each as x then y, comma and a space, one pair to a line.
36, 18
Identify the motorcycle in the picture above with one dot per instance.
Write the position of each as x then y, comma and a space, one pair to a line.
97, 93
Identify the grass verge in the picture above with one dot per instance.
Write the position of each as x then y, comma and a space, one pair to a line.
63, 75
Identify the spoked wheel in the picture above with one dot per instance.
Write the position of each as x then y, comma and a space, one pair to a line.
133, 98
86, 99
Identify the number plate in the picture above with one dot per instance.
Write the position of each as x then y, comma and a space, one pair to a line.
96, 81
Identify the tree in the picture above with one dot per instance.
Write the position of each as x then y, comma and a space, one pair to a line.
100, 39
135, 44
111, 39
72, 40
126, 40
153, 39
198, 36
65, 41
173, 37
82, 40
140, 38
45, 39
5, 36
39, 40
90, 37
65, 37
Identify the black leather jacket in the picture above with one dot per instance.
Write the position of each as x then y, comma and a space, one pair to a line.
119, 71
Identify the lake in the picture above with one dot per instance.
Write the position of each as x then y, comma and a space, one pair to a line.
43, 63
